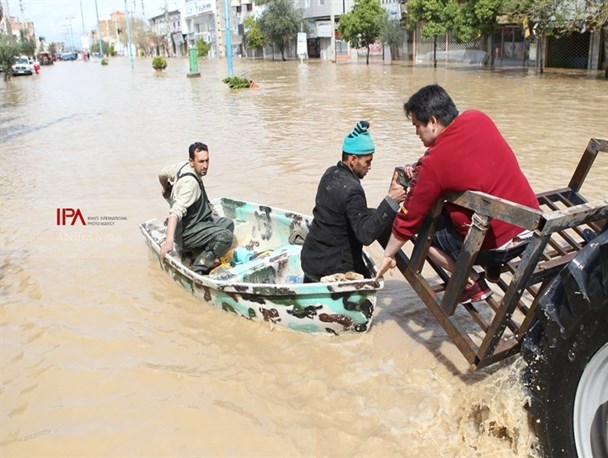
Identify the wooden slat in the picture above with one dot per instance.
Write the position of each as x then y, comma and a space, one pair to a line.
471, 246
512, 295
495, 306
460, 337
420, 251
477, 317
495, 207
503, 350
549, 196
594, 146
573, 216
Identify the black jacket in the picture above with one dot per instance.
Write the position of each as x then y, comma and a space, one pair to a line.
341, 225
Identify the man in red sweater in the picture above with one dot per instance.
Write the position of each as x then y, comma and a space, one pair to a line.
464, 152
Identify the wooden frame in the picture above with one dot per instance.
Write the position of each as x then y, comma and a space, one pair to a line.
561, 227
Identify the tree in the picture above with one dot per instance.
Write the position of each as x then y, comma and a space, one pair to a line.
202, 48
550, 18
361, 27
104, 44
280, 23
477, 18
437, 18
559, 17
28, 44
393, 35
254, 38
597, 18
9, 49
141, 33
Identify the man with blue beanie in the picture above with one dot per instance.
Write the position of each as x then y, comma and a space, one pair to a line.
342, 222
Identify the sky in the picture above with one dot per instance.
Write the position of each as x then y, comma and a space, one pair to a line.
53, 18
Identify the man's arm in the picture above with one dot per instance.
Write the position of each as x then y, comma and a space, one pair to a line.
423, 195
166, 187
388, 260
167, 246
186, 193
368, 223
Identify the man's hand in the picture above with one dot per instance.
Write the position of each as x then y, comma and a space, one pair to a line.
166, 247
396, 191
388, 262
409, 170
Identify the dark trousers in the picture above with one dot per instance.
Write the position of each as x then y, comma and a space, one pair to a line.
208, 240
448, 239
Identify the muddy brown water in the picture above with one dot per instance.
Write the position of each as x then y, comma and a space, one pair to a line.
103, 355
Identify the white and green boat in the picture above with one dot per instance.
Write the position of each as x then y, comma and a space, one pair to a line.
268, 285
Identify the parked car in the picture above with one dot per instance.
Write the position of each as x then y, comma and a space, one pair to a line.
23, 66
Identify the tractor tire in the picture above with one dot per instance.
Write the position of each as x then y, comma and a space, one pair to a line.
567, 355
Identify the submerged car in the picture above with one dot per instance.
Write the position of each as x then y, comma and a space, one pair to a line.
23, 66
69, 56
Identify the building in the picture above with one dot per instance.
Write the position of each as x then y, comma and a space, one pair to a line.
243, 9
205, 20
319, 15
13, 26
168, 33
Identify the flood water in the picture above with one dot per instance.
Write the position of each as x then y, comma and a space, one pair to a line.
103, 355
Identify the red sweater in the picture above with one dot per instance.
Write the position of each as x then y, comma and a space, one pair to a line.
470, 154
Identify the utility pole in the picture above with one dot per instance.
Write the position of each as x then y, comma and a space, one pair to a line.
22, 20
228, 38
128, 33
82, 17
84, 41
99, 32
21, 8
168, 35
71, 32
332, 51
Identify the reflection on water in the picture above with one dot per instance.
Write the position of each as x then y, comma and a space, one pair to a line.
103, 355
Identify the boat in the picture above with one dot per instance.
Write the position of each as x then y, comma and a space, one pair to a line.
262, 280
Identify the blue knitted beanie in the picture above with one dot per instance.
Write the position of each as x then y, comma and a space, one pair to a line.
359, 141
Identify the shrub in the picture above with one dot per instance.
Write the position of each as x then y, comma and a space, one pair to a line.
202, 48
237, 82
159, 63
8, 50
104, 61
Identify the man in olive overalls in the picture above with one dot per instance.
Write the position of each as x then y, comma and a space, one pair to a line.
191, 221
